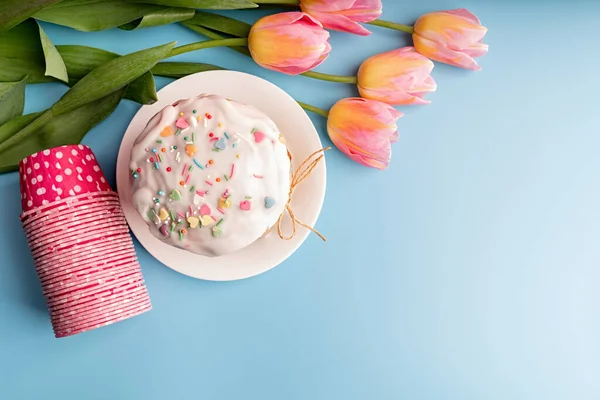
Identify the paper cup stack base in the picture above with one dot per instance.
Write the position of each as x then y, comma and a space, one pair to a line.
80, 241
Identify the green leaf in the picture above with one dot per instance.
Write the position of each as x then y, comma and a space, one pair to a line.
81, 60
68, 128
55, 66
12, 100
69, 3
21, 54
181, 69
214, 36
220, 23
110, 76
162, 17
13, 12
96, 16
16, 124
205, 4
142, 90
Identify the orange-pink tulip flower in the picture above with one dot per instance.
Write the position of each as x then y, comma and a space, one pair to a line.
452, 37
343, 15
364, 130
290, 42
397, 77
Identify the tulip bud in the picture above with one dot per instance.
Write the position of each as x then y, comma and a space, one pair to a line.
343, 15
290, 42
453, 37
397, 77
364, 130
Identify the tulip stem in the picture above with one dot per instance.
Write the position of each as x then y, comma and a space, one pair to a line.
316, 110
392, 25
207, 44
329, 77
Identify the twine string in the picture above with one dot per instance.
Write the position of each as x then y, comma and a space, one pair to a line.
302, 172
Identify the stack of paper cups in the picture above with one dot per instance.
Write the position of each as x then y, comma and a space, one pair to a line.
80, 241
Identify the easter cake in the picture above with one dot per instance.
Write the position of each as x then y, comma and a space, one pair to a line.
210, 175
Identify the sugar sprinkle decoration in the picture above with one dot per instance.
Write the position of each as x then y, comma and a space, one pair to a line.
258, 136
245, 205
269, 202
208, 182
198, 164
166, 132
175, 195
232, 171
258, 176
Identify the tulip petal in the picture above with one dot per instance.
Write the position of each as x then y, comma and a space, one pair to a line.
327, 5
364, 10
342, 23
476, 50
441, 53
391, 96
282, 19
463, 12
453, 30
344, 15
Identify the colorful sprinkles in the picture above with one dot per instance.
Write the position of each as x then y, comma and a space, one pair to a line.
167, 218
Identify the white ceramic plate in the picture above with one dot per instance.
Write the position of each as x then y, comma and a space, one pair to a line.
302, 140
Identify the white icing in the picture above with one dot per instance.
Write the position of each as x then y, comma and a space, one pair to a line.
267, 159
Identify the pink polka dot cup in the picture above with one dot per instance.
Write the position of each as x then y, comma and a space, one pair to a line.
80, 241
59, 173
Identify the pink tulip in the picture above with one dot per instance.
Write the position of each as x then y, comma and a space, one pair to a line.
343, 15
364, 130
453, 37
397, 77
290, 42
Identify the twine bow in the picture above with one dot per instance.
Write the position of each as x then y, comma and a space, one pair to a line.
302, 172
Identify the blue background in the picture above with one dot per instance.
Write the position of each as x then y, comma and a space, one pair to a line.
467, 270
